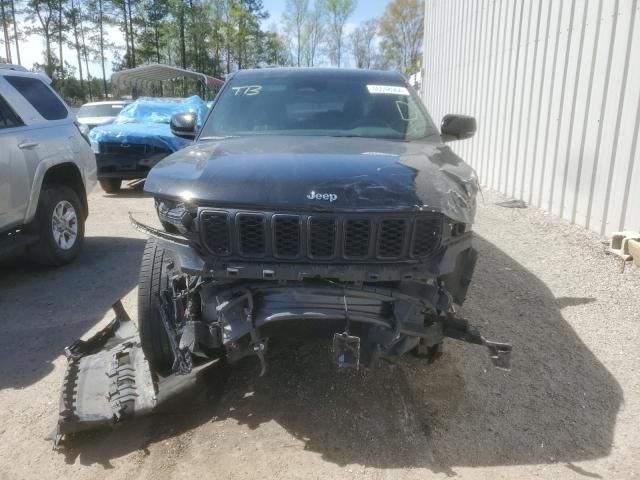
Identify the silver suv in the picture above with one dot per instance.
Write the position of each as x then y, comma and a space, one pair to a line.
47, 169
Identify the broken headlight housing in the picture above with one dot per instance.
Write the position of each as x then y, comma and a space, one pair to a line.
176, 217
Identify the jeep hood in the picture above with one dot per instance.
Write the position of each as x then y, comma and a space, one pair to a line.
319, 173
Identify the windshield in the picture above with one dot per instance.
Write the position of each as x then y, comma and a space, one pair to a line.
322, 104
108, 110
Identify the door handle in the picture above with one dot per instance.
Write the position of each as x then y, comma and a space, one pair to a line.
27, 144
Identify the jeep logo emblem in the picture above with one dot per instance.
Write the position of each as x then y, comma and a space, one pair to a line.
331, 197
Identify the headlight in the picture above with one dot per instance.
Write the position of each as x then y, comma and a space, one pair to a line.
95, 146
179, 215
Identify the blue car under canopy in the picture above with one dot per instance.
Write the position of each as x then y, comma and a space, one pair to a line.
139, 138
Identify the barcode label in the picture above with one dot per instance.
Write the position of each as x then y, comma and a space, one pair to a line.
387, 90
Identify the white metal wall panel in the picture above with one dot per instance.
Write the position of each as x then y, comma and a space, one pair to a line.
583, 89
555, 86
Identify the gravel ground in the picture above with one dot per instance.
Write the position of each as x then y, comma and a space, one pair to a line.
568, 409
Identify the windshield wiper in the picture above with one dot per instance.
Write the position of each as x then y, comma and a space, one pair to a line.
219, 137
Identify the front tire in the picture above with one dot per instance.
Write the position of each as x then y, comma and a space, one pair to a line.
59, 223
111, 185
153, 335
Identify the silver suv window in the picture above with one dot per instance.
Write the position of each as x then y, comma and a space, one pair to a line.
39, 96
8, 118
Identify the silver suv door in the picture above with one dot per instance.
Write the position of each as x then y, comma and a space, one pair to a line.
16, 154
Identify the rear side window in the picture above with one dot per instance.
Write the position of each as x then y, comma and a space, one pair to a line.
39, 96
8, 118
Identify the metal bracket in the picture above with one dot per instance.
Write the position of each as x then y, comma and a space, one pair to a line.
258, 346
346, 350
182, 363
499, 353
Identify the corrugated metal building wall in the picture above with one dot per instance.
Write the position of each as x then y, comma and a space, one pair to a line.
555, 86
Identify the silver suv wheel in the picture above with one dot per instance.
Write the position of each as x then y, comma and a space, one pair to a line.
64, 224
59, 224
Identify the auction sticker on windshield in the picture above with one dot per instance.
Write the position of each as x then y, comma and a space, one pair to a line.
387, 90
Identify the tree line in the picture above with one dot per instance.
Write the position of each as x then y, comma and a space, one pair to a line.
215, 37
317, 32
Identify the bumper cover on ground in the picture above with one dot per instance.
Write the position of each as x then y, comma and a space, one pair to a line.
107, 379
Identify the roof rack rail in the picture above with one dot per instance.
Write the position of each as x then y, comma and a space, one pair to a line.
12, 66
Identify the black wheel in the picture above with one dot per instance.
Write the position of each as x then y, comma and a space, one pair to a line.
111, 185
59, 223
153, 336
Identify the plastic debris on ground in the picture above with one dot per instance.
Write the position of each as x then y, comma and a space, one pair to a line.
108, 380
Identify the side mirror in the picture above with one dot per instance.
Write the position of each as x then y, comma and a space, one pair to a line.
184, 125
457, 127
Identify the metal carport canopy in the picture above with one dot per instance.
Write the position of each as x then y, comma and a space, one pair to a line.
157, 72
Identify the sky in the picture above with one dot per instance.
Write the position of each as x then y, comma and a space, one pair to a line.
365, 10
31, 51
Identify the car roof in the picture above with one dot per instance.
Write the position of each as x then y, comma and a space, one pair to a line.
12, 66
20, 71
107, 102
320, 72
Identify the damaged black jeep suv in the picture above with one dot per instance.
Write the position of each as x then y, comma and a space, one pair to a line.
314, 201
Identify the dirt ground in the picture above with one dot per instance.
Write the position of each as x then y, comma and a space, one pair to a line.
568, 409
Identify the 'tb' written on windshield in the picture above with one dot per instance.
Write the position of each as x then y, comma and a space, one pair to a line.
247, 90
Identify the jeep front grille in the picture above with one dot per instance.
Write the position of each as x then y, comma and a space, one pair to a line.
252, 235
357, 235
426, 233
215, 227
331, 238
391, 237
286, 229
322, 237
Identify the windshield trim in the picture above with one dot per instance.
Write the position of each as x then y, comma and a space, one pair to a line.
289, 133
